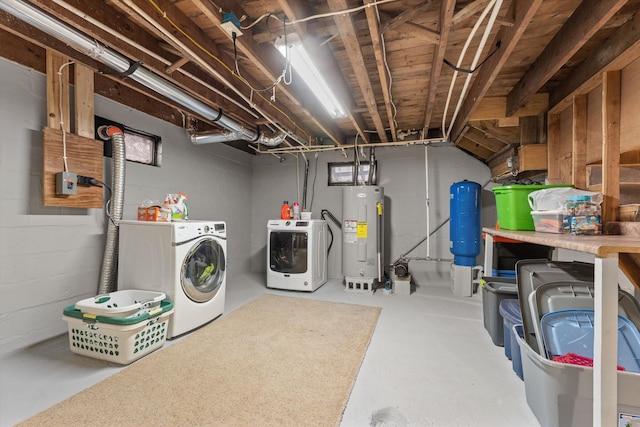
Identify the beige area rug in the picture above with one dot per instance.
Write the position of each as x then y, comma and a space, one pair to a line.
276, 361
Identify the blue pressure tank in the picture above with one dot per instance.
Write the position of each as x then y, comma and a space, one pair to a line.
465, 222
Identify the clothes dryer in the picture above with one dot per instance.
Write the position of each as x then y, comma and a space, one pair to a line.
296, 254
186, 260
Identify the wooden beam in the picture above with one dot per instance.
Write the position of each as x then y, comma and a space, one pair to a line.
194, 44
494, 108
265, 63
579, 157
523, 13
406, 16
468, 11
295, 10
611, 94
506, 135
587, 19
127, 38
615, 53
378, 52
479, 137
349, 37
173, 67
474, 148
446, 13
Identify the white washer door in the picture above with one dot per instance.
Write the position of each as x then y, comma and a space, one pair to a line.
203, 270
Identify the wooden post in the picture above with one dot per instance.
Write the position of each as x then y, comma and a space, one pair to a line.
579, 148
84, 88
55, 96
553, 146
611, 94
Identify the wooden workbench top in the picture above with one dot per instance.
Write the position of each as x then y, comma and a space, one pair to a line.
598, 245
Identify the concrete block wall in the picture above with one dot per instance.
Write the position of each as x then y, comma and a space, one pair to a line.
402, 174
51, 257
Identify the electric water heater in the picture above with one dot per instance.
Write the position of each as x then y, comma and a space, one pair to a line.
362, 237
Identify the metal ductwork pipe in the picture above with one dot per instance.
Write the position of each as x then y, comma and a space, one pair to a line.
109, 272
90, 47
213, 137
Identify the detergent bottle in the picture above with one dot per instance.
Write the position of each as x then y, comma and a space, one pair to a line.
285, 210
182, 208
296, 210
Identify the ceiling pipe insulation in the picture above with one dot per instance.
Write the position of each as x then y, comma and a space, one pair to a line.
90, 47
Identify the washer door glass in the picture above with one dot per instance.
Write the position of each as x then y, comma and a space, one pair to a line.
203, 270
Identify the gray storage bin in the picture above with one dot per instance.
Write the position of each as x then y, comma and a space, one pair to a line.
533, 273
492, 294
561, 395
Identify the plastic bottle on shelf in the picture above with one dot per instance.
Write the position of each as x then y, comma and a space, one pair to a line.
285, 212
296, 210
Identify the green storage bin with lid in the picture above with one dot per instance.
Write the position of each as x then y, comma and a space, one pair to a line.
512, 204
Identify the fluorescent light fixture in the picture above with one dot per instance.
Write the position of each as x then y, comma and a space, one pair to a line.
304, 66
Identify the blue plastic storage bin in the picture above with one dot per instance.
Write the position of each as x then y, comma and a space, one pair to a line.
503, 273
510, 312
516, 358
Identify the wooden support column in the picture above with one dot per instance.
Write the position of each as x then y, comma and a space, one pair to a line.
57, 91
553, 148
611, 87
84, 88
579, 149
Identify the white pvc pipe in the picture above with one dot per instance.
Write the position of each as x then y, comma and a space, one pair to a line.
459, 63
426, 168
476, 59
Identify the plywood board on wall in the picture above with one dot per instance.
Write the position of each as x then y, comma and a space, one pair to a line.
84, 157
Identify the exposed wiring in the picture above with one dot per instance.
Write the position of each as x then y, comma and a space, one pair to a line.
321, 15
462, 54
473, 70
230, 70
64, 132
476, 58
386, 65
234, 36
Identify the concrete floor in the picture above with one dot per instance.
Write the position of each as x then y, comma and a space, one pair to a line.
430, 363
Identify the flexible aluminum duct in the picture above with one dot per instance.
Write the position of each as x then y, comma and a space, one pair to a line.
109, 272
90, 47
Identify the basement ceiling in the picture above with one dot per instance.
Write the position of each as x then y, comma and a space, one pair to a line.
390, 62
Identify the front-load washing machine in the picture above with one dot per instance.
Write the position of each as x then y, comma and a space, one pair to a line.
186, 260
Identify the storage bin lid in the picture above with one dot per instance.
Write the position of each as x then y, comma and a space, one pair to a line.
572, 331
510, 310
527, 187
